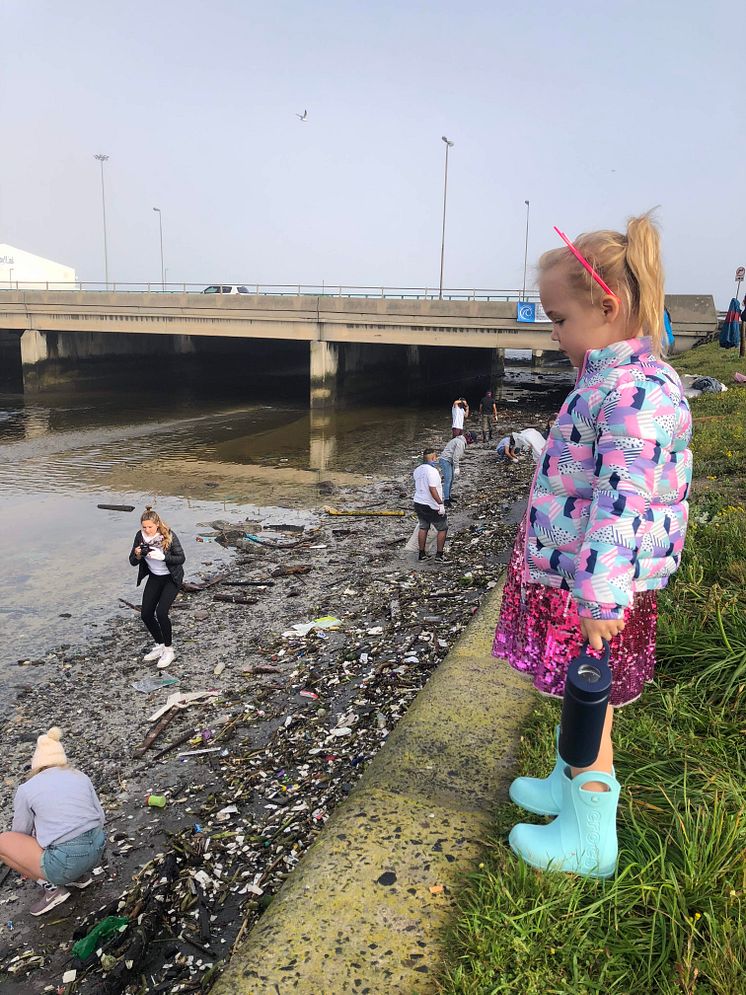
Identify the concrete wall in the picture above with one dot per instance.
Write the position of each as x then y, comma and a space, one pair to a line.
48, 358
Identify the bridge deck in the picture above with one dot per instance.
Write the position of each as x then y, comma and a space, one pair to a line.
467, 324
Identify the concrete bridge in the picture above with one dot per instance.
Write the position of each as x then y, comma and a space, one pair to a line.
344, 334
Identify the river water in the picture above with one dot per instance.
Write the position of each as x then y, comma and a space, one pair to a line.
197, 456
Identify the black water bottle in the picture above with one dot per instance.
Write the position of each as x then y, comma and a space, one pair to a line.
587, 691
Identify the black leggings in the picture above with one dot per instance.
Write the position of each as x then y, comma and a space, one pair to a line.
157, 598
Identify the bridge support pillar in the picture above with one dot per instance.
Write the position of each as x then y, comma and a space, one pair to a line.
11, 369
537, 357
498, 365
324, 368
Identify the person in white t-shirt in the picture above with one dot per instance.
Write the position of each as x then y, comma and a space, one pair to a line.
530, 438
459, 412
428, 504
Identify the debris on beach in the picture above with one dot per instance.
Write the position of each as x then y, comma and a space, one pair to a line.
251, 766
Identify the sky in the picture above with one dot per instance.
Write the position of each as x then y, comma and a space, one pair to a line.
591, 111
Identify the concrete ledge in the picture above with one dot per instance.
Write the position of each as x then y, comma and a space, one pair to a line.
357, 915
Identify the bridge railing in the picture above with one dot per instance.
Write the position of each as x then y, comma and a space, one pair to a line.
279, 290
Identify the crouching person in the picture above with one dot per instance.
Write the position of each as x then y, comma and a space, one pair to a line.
57, 835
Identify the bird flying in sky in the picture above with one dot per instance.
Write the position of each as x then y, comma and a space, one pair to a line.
303, 116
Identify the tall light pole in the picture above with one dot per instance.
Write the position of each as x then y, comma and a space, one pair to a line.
449, 145
102, 159
525, 251
160, 227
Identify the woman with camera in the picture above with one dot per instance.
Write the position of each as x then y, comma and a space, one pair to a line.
158, 555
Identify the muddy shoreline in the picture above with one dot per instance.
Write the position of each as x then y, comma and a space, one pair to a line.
294, 723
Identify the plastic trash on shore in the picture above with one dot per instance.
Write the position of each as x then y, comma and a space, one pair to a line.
412, 545
149, 684
303, 628
84, 948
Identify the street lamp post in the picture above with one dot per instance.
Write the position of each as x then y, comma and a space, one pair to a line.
449, 145
102, 159
160, 228
525, 251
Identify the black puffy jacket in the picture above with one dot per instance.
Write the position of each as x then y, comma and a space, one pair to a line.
174, 559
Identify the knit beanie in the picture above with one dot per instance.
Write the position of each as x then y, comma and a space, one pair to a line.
49, 751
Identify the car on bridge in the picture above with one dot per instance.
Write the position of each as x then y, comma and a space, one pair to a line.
223, 288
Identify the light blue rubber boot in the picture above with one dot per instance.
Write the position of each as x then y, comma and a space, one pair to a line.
582, 839
541, 795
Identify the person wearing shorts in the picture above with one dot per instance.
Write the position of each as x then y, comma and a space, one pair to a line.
58, 826
459, 412
428, 504
505, 448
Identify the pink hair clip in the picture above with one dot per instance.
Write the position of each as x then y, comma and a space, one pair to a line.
584, 262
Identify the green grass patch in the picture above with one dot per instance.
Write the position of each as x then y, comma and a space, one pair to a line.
673, 920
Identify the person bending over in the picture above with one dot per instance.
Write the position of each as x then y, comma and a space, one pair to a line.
450, 462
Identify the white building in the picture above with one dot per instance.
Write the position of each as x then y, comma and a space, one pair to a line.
25, 271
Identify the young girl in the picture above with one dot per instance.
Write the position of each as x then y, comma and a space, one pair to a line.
57, 834
605, 524
157, 553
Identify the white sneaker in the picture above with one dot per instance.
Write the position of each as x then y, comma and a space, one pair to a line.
155, 654
166, 658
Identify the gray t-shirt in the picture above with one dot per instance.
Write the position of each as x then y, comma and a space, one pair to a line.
56, 805
454, 450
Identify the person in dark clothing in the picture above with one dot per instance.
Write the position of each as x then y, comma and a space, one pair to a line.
487, 414
158, 554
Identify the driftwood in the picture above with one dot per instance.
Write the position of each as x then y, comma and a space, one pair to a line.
193, 587
116, 507
249, 583
292, 571
261, 668
236, 599
179, 741
361, 513
155, 731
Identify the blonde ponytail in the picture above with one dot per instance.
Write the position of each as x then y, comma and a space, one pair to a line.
644, 260
630, 264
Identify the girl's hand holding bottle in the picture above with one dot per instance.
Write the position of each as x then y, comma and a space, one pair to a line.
595, 630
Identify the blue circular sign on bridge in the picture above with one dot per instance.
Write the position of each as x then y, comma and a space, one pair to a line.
525, 311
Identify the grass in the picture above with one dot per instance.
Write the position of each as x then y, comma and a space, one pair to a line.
673, 920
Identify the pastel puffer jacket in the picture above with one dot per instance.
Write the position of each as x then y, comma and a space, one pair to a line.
608, 509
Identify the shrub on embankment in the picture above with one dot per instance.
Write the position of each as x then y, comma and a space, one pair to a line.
673, 920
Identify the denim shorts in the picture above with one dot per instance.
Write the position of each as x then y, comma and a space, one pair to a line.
66, 862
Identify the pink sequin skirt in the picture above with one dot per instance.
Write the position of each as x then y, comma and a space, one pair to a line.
539, 634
